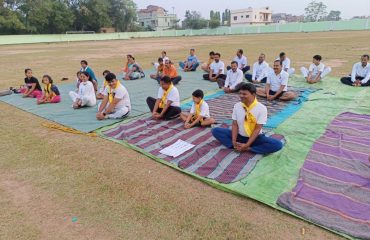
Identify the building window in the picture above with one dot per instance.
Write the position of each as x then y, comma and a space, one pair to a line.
142, 24
242, 16
168, 24
235, 18
246, 16
165, 19
255, 16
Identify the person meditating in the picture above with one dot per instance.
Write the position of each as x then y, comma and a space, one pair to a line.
360, 76
116, 102
277, 85
199, 113
167, 104
246, 134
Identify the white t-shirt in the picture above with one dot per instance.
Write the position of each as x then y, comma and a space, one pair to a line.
204, 110
242, 61
215, 67
86, 89
122, 94
260, 70
286, 63
173, 96
276, 81
233, 78
316, 69
259, 112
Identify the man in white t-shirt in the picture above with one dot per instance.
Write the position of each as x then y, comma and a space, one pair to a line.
277, 85
360, 76
246, 134
241, 60
285, 61
217, 69
316, 71
116, 102
234, 79
167, 104
199, 112
260, 70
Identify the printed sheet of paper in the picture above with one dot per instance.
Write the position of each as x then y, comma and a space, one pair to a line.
177, 148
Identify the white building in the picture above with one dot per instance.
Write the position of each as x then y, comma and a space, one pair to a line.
156, 18
251, 16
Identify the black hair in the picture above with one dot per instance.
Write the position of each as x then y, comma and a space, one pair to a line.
282, 54
160, 59
79, 72
166, 79
366, 56
106, 72
164, 52
48, 77
27, 69
278, 60
84, 61
317, 57
234, 62
192, 49
218, 54
110, 77
198, 93
87, 75
240, 51
248, 87
211, 53
130, 56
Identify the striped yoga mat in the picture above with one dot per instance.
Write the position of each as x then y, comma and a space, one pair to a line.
333, 188
207, 159
221, 106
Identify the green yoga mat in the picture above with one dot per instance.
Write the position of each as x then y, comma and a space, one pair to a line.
84, 119
277, 173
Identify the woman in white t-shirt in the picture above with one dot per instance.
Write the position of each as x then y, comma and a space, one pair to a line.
316, 71
199, 112
167, 104
85, 97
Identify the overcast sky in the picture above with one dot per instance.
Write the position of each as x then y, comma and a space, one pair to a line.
349, 8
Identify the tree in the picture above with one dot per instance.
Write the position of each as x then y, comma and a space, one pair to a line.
10, 21
122, 14
214, 21
333, 16
226, 17
194, 20
315, 11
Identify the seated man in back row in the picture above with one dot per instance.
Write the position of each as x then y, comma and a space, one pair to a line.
234, 79
246, 134
191, 62
285, 61
217, 70
360, 76
167, 104
170, 70
241, 60
260, 70
277, 85
316, 72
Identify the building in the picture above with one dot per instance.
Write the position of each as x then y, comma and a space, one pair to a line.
285, 18
251, 16
156, 18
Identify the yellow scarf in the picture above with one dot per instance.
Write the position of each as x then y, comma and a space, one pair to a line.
105, 83
164, 97
110, 92
48, 91
250, 121
197, 111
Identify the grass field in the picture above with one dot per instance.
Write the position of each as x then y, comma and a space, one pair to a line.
55, 185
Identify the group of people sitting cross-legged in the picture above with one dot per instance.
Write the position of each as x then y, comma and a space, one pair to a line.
360, 76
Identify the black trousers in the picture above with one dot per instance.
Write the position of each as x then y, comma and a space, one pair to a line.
174, 80
172, 112
221, 76
244, 69
249, 78
348, 81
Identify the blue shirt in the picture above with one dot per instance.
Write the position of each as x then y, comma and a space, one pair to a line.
192, 59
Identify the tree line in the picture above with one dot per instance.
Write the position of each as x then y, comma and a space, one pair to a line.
59, 16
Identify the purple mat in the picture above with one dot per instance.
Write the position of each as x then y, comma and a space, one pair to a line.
207, 159
333, 188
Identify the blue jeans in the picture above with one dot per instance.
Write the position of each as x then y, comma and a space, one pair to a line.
195, 66
262, 144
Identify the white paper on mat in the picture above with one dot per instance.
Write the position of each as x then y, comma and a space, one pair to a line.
176, 149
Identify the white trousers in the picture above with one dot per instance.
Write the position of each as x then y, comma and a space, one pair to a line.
88, 101
290, 71
324, 73
118, 113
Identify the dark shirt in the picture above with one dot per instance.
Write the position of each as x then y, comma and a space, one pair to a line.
30, 81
